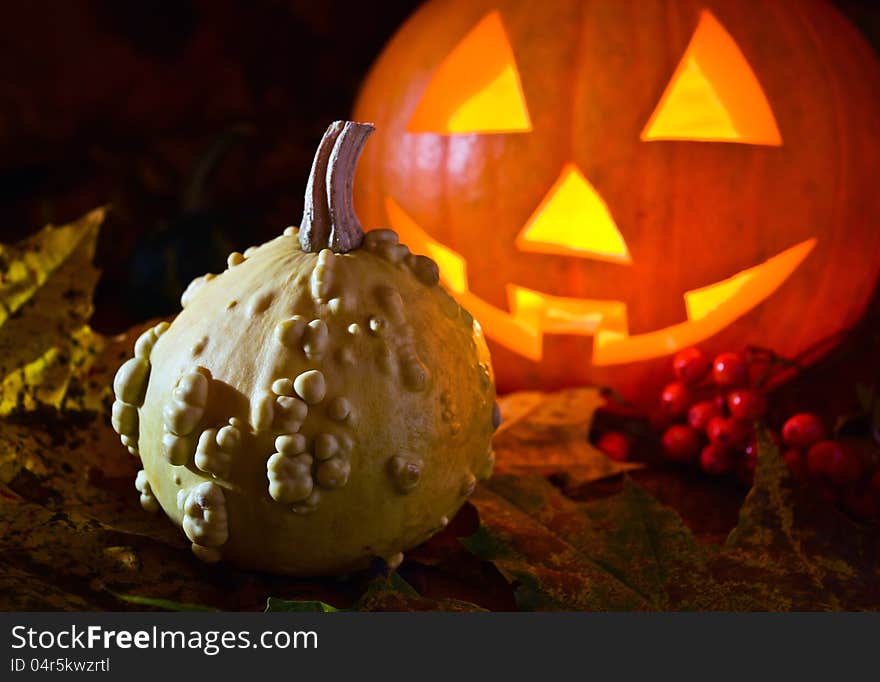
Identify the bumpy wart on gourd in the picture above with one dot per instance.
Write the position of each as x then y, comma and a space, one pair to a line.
321, 402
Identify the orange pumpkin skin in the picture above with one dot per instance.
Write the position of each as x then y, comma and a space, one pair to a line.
692, 213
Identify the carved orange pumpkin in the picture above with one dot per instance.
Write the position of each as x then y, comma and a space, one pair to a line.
604, 183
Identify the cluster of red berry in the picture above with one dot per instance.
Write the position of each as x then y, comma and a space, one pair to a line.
844, 470
707, 417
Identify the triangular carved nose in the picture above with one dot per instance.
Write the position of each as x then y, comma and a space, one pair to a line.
573, 220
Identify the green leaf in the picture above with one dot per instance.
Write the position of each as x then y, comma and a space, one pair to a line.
648, 547
290, 605
386, 592
541, 542
392, 592
164, 604
767, 515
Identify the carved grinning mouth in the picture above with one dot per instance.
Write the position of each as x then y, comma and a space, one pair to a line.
532, 314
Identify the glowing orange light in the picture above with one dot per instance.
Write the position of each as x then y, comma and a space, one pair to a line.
714, 95
453, 268
710, 309
574, 220
756, 283
564, 315
533, 314
476, 89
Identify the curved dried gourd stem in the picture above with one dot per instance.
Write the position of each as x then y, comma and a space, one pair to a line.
328, 220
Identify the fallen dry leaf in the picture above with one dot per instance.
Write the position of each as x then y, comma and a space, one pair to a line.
547, 434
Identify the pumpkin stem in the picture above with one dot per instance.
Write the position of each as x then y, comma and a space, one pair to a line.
328, 220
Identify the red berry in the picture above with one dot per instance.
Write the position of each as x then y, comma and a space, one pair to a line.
729, 370
716, 459
691, 365
615, 445
729, 432
830, 461
681, 443
803, 430
746, 403
701, 412
796, 463
675, 399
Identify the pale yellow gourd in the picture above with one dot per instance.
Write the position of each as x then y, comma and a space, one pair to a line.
322, 402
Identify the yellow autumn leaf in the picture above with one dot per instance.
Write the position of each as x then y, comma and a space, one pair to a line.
46, 286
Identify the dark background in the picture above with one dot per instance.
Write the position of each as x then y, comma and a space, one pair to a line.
195, 120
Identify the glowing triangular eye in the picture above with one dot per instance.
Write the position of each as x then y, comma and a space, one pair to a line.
476, 89
714, 95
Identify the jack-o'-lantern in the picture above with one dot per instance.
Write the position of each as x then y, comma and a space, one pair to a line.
605, 183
